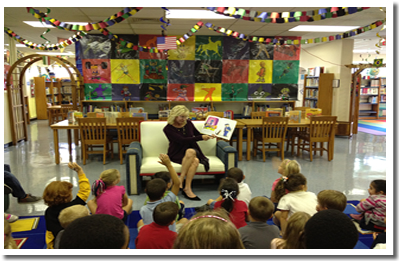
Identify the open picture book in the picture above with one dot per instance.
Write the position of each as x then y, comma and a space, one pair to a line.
221, 127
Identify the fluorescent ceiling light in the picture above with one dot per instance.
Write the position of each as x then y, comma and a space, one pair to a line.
194, 14
49, 53
20, 45
322, 28
40, 24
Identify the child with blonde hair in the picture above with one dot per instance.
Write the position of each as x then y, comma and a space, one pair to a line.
58, 196
299, 199
293, 237
108, 197
331, 199
285, 168
209, 230
9, 242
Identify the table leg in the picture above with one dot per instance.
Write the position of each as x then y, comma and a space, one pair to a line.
69, 142
50, 116
56, 148
239, 144
249, 138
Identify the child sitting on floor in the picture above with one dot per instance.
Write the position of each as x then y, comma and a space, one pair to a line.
109, 198
331, 199
237, 209
67, 215
157, 234
58, 196
258, 234
166, 177
285, 168
299, 199
293, 237
373, 209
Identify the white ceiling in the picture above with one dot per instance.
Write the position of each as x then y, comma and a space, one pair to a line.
147, 21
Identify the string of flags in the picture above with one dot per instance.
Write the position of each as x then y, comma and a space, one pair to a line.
286, 17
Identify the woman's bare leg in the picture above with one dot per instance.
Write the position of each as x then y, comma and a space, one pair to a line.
190, 175
186, 163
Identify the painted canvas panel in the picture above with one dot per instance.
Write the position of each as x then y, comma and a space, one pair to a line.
153, 92
208, 92
208, 71
181, 71
235, 71
185, 51
120, 51
95, 47
261, 51
285, 72
234, 91
260, 71
209, 48
125, 71
126, 92
259, 92
287, 52
153, 71
98, 91
235, 49
150, 41
96, 70
180, 92
289, 91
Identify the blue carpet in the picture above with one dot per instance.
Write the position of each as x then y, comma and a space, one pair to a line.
371, 127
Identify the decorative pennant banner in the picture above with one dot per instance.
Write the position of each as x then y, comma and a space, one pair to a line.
286, 17
114, 19
382, 40
377, 62
163, 21
193, 30
50, 47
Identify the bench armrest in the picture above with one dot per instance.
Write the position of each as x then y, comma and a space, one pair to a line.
227, 154
133, 160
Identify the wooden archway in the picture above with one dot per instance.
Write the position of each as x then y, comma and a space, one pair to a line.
16, 97
354, 108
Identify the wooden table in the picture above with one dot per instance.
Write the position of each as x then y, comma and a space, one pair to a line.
253, 123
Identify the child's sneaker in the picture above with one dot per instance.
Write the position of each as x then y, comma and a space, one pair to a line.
11, 218
357, 217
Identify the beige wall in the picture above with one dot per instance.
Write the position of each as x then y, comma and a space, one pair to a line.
331, 56
7, 128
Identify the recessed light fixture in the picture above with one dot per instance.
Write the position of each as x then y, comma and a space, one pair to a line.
322, 28
49, 53
194, 14
40, 24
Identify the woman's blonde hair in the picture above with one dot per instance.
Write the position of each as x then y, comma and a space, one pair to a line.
209, 230
9, 242
178, 110
293, 235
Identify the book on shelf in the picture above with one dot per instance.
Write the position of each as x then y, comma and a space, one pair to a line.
100, 115
311, 71
136, 109
77, 114
247, 110
281, 110
312, 112
293, 116
163, 113
221, 127
71, 118
312, 82
200, 111
140, 114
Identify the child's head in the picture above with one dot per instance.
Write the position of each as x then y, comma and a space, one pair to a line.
57, 193
377, 187
209, 230
165, 213
165, 176
288, 167
331, 199
228, 190
155, 189
260, 209
109, 177
330, 229
9, 242
69, 214
235, 173
291, 182
99, 231
294, 231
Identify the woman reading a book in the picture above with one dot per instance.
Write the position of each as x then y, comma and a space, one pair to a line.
183, 148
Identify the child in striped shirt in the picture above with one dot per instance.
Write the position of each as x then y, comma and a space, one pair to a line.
372, 209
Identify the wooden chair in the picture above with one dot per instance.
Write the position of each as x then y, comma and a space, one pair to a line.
65, 108
125, 114
321, 130
258, 114
219, 114
293, 133
93, 132
128, 131
273, 132
92, 115
163, 118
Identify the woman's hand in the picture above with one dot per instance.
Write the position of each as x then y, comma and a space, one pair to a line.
207, 137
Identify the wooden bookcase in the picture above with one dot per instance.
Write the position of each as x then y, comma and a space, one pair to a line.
318, 92
46, 92
371, 98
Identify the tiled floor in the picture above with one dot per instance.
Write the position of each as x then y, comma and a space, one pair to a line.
356, 162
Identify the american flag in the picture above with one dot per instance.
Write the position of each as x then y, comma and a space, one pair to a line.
168, 42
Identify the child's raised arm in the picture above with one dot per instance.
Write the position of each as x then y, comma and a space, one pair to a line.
84, 185
164, 160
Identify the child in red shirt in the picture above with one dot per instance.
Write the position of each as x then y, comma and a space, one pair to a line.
237, 208
157, 234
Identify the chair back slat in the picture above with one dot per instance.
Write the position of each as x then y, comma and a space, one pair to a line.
274, 128
322, 127
258, 114
219, 114
128, 129
93, 130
